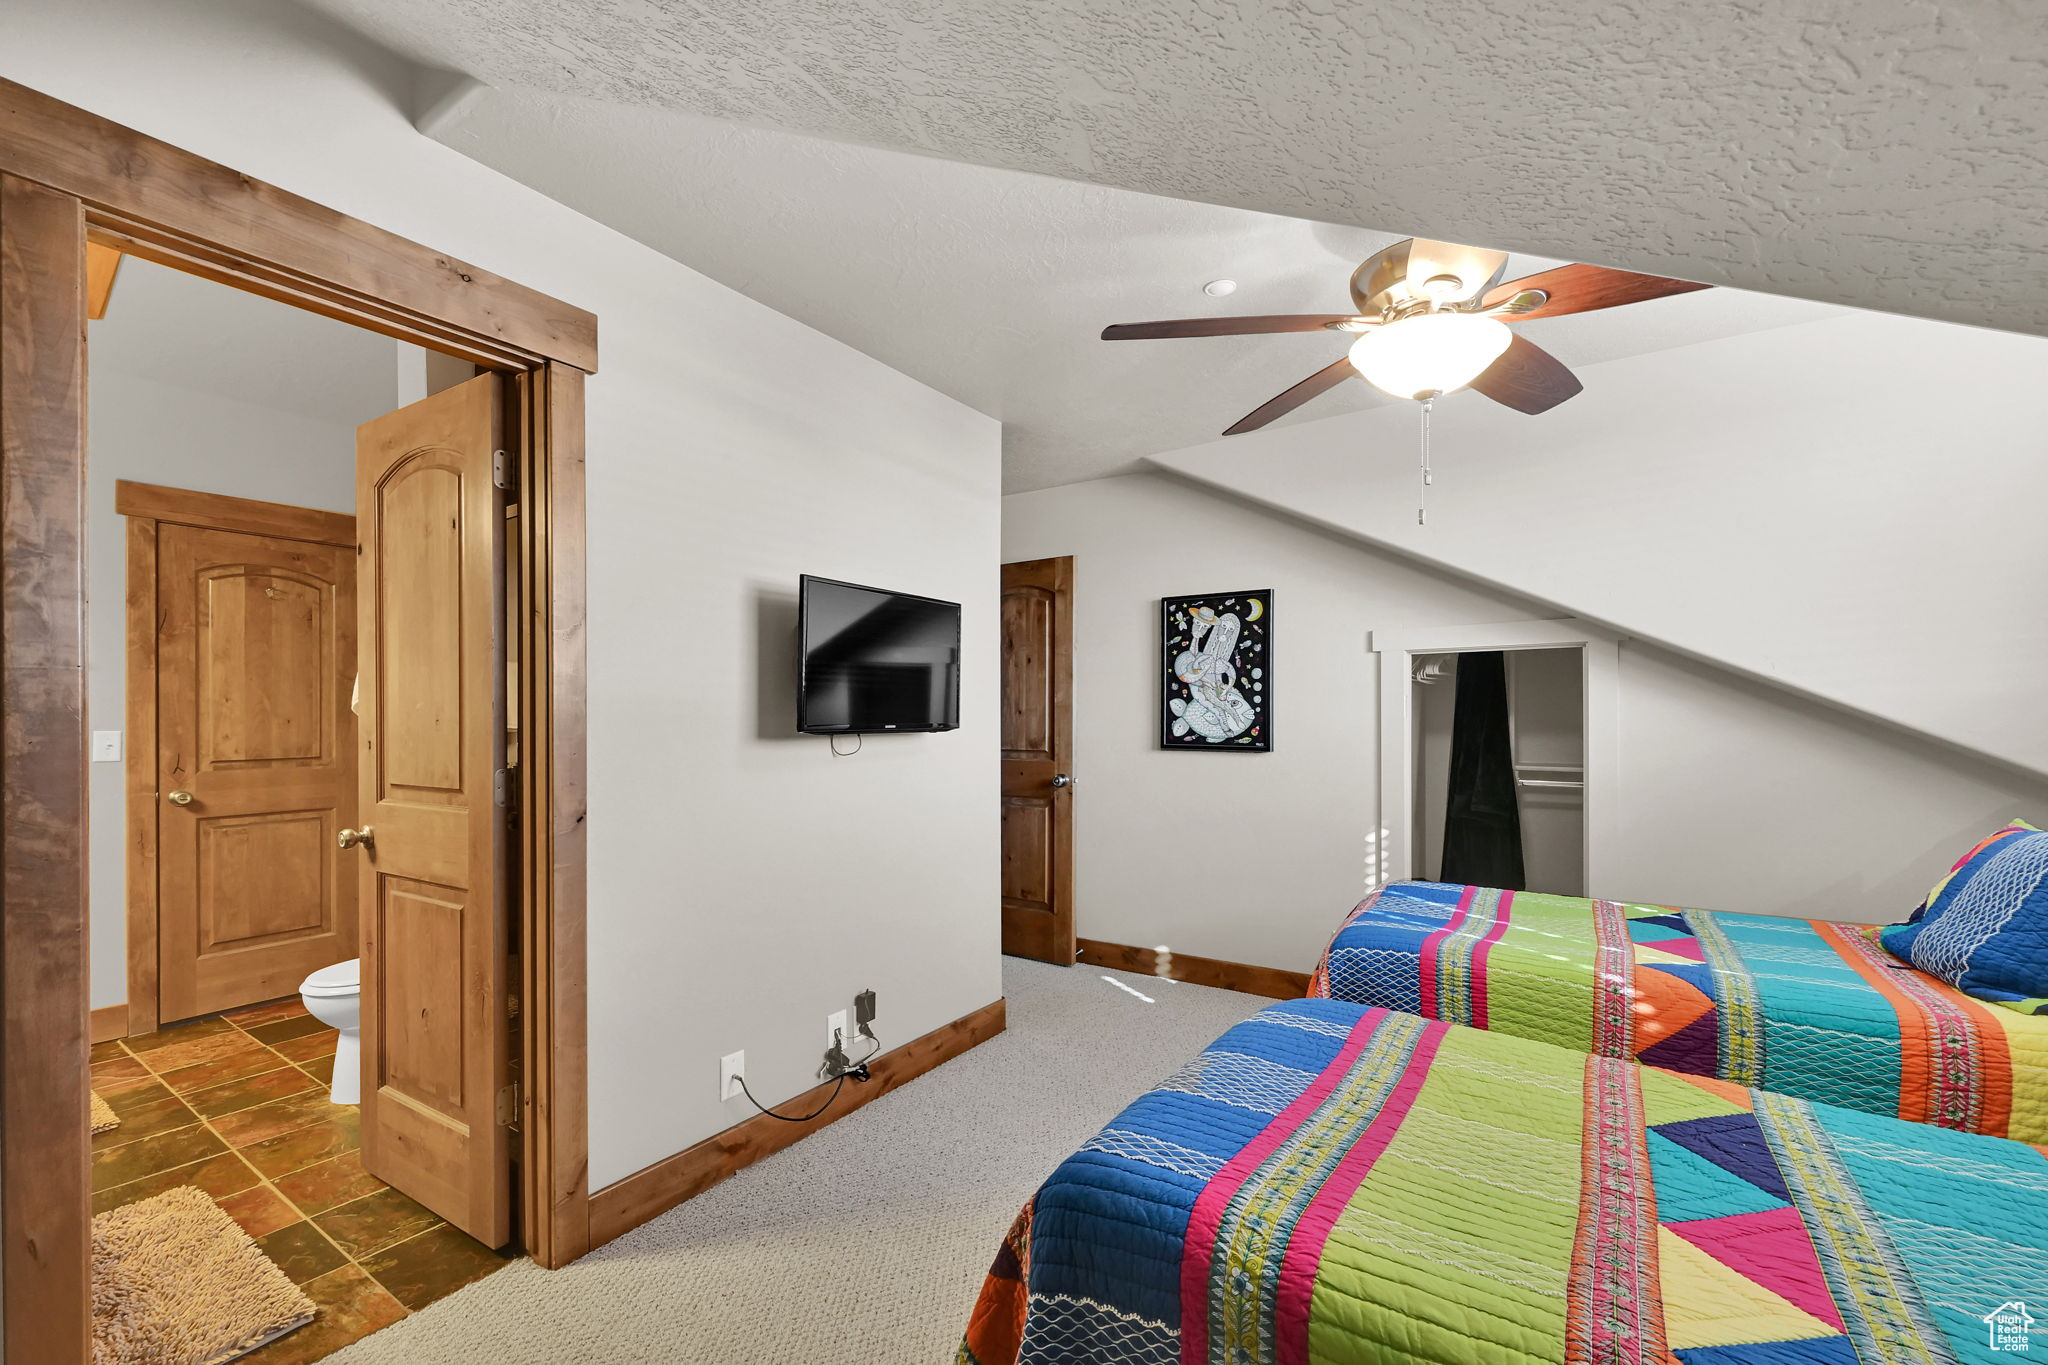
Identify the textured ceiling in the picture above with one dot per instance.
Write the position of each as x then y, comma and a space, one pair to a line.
993, 286
1882, 153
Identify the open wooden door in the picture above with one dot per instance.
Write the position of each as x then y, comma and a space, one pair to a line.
436, 1042
1038, 755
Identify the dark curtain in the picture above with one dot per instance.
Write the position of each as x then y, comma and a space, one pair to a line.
1483, 824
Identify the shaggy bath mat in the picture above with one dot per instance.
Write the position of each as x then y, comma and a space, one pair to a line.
175, 1282
103, 1119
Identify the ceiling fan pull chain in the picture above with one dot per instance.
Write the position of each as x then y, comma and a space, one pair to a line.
1422, 494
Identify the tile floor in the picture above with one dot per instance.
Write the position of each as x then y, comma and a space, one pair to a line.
236, 1104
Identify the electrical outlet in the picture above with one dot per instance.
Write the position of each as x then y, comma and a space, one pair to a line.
863, 1009
837, 1034
731, 1067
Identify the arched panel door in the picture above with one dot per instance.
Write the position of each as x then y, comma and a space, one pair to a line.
433, 838
255, 652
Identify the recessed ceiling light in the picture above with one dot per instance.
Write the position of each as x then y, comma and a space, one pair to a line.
1216, 289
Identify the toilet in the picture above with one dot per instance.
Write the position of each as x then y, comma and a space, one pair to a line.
333, 995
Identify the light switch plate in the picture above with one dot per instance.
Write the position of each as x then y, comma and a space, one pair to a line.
106, 746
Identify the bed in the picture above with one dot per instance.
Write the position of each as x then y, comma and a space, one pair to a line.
1348, 1185
1803, 1007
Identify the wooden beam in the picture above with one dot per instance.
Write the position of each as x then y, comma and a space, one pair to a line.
620, 1207
554, 699
1276, 982
102, 263
164, 203
140, 775
219, 511
45, 1203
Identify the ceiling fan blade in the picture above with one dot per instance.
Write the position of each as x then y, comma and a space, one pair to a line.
1527, 378
1329, 377
1583, 288
1223, 327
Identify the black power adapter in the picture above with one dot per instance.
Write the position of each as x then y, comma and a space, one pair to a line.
837, 1064
838, 1067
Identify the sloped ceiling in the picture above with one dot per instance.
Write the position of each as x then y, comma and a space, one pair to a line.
1885, 154
961, 190
993, 286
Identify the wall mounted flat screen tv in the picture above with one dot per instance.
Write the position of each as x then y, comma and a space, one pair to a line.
876, 661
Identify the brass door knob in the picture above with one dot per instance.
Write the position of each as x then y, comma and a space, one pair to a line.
349, 838
179, 798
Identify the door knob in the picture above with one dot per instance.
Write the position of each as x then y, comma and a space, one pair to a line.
1062, 780
179, 798
349, 838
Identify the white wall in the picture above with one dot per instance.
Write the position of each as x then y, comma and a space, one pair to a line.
1245, 857
743, 882
197, 386
1547, 698
1848, 507
1738, 795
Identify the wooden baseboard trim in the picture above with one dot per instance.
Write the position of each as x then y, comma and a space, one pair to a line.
623, 1205
1276, 982
109, 1022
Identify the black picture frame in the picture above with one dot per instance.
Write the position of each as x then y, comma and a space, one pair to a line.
1208, 706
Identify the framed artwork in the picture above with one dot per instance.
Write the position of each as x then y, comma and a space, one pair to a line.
1216, 674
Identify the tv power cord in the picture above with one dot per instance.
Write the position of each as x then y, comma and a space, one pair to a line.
837, 1066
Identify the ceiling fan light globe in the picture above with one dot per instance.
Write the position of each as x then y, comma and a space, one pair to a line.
1430, 353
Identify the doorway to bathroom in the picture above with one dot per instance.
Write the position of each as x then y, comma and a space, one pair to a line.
70, 181
222, 498
314, 793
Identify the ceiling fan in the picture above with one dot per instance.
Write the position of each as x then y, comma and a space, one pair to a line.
1432, 318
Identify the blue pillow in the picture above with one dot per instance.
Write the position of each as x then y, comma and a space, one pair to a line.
1984, 927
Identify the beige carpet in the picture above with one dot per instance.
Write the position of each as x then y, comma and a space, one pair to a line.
104, 1119
864, 1244
176, 1282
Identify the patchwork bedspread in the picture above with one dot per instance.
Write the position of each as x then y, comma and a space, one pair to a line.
1347, 1185
1802, 1007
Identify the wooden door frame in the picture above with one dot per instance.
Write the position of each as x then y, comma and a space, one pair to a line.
148, 507
67, 175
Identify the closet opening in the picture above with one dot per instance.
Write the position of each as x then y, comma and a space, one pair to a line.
1499, 768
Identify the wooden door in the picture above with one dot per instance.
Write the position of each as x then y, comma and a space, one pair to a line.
255, 764
1038, 755
436, 1038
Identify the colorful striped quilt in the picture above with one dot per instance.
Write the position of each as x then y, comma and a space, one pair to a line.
1802, 1007
1334, 1184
